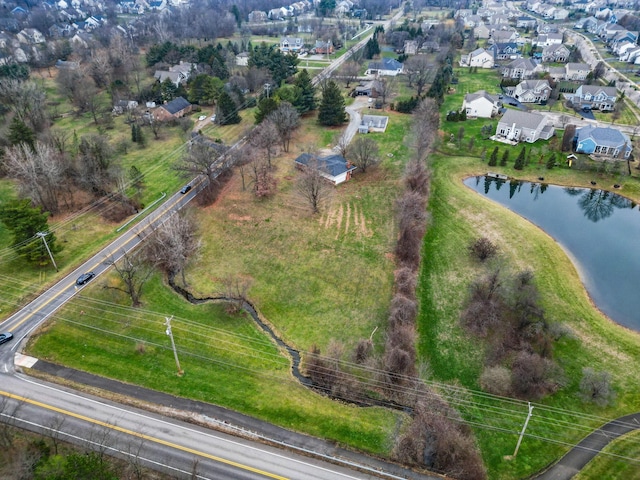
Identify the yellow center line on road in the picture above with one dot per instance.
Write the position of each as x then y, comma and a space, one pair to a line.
143, 436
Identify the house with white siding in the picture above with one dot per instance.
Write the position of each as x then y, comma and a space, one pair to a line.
519, 126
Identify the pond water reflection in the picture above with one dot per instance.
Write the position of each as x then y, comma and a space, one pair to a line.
599, 229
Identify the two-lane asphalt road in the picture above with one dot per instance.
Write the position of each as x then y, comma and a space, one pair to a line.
152, 440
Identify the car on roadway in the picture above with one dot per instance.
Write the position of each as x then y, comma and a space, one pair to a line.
84, 278
202, 117
5, 337
213, 117
185, 189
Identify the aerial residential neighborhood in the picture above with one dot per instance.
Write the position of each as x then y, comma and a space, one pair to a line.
319, 239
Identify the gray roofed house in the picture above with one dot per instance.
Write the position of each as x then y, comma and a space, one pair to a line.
334, 168
481, 104
532, 91
577, 71
373, 123
603, 141
555, 53
174, 109
594, 97
519, 126
386, 66
520, 68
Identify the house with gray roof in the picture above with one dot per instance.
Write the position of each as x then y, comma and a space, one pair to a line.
532, 91
334, 168
519, 126
478, 58
594, 97
176, 108
520, 68
605, 141
386, 66
481, 104
555, 53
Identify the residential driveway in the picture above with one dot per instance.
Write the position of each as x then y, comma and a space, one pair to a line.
354, 119
512, 102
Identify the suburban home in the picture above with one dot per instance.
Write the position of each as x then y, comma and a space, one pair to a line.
594, 97
323, 48
176, 108
373, 123
557, 53
631, 55
242, 59
547, 39
603, 141
386, 66
526, 22
289, 45
520, 68
334, 168
372, 89
30, 36
410, 47
257, 16
576, 71
532, 91
122, 106
503, 51
481, 31
517, 125
478, 58
503, 36
481, 104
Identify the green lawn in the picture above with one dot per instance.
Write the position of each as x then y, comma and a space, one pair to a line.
621, 461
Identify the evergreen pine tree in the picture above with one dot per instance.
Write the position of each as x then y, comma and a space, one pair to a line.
493, 160
331, 110
551, 161
306, 101
19, 132
227, 110
134, 133
483, 154
519, 165
505, 158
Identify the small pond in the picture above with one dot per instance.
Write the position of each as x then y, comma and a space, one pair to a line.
600, 231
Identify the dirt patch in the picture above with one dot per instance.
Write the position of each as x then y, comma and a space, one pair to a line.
239, 218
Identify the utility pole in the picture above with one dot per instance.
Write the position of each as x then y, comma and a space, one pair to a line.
42, 235
173, 344
267, 86
524, 427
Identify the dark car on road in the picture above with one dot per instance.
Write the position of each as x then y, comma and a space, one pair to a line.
185, 189
5, 337
84, 278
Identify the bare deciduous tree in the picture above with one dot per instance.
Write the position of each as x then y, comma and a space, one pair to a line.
203, 159
596, 387
418, 72
27, 100
40, 173
387, 86
174, 244
236, 289
266, 136
349, 72
134, 271
312, 186
425, 126
363, 153
286, 119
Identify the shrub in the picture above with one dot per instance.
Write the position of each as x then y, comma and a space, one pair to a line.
406, 281
363, 351
596, 387
483, 249
485, 305
496, 380
403, 311
532, 376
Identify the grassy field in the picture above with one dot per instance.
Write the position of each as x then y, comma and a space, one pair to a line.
607, 466
328, 278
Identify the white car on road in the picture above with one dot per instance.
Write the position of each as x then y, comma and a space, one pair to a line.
202, 117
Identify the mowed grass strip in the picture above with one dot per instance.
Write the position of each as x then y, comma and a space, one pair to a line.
621, 461
459, 217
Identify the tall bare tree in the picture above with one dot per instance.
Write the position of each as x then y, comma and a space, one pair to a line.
204, 159
312, 186
266, 136
363, 153
134, 270
27, 100
387, 86
174, 244
40, 173
286, 119
348, 72
418, 72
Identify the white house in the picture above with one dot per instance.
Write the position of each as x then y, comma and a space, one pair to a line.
386, 66
532, 91
519, 126
478, 58
481, 104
